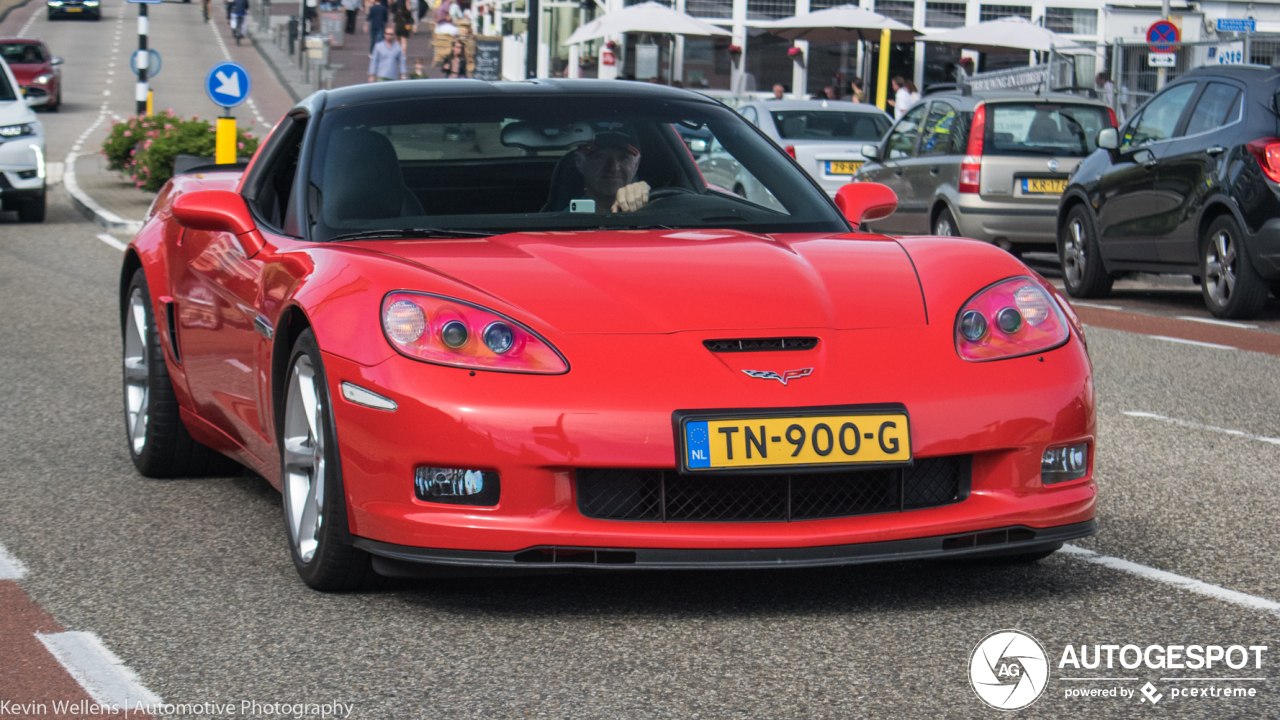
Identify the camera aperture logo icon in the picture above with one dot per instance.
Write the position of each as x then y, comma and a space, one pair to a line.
1008, 670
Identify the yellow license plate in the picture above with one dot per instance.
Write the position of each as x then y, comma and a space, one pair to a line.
843, 167
798, 440
1043, 186
72, 9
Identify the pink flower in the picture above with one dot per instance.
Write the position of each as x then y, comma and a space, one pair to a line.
128, 134
240, 146
168, 126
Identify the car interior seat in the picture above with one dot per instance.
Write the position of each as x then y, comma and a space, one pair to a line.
363, 180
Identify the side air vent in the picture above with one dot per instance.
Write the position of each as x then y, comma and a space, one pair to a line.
760, 344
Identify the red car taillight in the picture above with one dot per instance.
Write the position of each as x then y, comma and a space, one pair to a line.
1267, 150
1009, 319
791, 150
971, 166
451, 332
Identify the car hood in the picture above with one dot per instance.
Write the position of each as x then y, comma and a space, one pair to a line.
671, 281
16, 111
24, 74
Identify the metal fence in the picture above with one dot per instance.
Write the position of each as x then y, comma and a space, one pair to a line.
1136, 79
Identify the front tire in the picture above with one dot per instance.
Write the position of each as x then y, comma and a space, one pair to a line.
1229, 285
315, 507
1082, 271
33, 210
159, 444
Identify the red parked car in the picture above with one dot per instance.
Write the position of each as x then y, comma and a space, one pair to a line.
36, 70
510, 325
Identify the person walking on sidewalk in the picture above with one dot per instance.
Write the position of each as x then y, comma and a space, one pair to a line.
405, 23
455, 65
387, 58
352, 8
375, 21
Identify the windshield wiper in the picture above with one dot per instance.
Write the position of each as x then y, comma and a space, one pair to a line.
410, 233
637, 227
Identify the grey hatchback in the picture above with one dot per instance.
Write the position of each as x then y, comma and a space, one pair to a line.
985, 165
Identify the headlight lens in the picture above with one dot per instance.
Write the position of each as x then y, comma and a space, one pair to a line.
13, 131
451, 332
43, 79
1061, 464
1011, 318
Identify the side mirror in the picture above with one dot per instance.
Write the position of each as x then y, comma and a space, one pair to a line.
862, 202
219, 211
1108, 139
56, 60
871, 152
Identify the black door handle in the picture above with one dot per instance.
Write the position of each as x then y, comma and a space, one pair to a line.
1215, 150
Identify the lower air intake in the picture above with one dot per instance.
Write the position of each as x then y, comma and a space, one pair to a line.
667, 496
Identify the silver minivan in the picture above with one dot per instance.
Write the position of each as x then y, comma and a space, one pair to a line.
986, 165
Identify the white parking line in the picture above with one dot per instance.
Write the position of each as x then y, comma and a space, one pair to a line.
112, 241
103, 676
1182, 341
1168, 578
1215, 321
1198, 426
11, 568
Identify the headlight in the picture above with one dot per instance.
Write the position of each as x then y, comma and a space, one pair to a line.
55, 3
43, 79
13, 131
91, 3
1009, 319
445, 331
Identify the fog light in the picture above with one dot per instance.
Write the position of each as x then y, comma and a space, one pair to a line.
454, 334
27, 174
456, 486
1009, 320
973, 326
1061, 464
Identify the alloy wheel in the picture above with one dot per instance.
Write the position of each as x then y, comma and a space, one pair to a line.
943, 227
1220, 267
304, 463
137, 386
1073, 253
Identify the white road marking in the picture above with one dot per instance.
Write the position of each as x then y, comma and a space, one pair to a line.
26, 27
1178, 581
1215, 321
112, 241
1216, 346
11, 568
103, 676
1198, 426
1095, 305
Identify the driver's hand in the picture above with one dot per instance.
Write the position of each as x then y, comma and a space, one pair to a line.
632, 197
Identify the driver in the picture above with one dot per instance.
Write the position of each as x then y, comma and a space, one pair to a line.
608, 165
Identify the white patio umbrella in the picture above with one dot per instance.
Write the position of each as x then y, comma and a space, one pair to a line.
845, 23
647, 17
1010, 33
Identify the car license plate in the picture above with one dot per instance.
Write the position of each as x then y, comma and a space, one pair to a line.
72, 9
795, 439
1043, 186
843, 167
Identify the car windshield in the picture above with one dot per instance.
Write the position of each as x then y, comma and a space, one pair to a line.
830, 125
1043, 129
21, 53
510, 163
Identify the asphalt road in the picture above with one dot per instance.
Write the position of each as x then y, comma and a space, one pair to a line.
189, 582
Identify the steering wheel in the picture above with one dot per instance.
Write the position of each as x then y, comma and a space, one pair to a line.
667, 192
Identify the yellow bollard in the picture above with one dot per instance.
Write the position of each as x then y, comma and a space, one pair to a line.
149, 109
882, 78
225, 146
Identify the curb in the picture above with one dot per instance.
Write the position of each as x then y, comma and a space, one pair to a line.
90, 207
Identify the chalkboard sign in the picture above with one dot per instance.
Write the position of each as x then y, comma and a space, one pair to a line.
488, 59
334, 24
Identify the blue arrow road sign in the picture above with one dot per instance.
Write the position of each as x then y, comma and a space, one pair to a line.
1237, 25
227, 84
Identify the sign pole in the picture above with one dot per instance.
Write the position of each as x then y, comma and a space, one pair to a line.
882, 77
1161, 73
142, 90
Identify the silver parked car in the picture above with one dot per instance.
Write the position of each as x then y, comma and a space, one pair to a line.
986, 165
824, 136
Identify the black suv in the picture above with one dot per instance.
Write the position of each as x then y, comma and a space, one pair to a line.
1190, 184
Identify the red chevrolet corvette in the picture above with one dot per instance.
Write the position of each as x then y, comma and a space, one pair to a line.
511, 325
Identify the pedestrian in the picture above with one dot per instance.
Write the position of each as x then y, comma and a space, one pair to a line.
915, 94
352, 8
857, 91
779, 90
404, 21
901, 96
419, 70
375, 20
239, 8
455, 64
387, 58
1106, 90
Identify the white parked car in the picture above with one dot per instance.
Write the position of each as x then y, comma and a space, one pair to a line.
22, 173
824, 136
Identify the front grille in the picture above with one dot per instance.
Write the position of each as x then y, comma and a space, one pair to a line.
760, 344
667, 496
